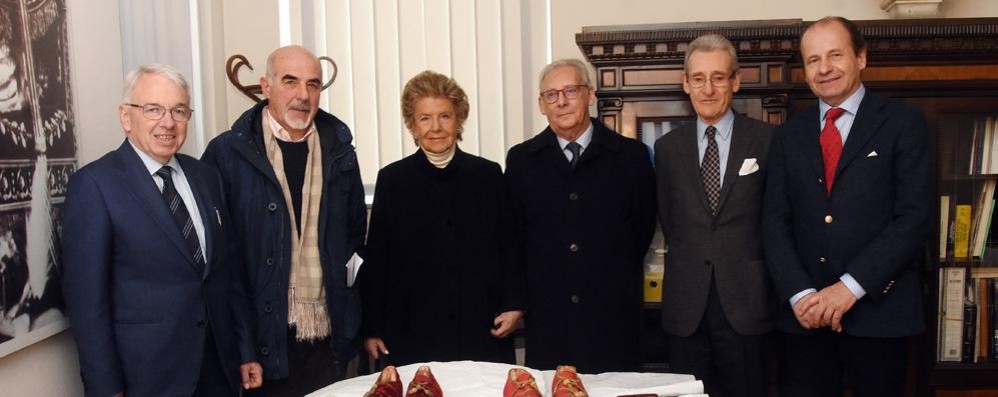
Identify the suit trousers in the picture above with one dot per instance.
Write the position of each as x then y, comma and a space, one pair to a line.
311, 366
826, 363
212, 381
728, 363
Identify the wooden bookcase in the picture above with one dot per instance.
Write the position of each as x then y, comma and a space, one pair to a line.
946, 67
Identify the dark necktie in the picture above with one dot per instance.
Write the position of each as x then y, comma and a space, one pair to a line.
576, 149
180, 214
831, 146
710, 170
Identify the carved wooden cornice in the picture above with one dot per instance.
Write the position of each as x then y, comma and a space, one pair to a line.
777, 40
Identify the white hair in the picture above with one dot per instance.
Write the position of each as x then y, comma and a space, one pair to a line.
158, 69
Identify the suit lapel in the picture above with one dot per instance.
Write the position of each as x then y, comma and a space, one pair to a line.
144, 190
868, 120
206, 208
810, 140
741, 142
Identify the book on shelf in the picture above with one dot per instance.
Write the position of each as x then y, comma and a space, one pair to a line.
951, 310
961, 231
993, 311
983, 327
970, 335
982, 152
944, 226
982, 218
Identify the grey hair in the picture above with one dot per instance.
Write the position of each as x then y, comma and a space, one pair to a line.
711, 42
579, 66
158, 69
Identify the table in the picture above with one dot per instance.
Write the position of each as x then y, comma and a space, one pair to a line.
482, 379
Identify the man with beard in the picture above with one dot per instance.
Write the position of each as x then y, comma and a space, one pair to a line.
294, 187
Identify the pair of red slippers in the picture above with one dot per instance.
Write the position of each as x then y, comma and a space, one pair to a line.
566, 383
390, 385
519, 383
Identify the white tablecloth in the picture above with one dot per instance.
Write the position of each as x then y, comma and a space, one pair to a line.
474, 379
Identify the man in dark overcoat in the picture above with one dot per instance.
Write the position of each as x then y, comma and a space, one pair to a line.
583, 198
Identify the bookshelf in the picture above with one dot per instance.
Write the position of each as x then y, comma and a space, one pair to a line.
946, 67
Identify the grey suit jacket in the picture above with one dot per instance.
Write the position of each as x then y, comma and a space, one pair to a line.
728, 245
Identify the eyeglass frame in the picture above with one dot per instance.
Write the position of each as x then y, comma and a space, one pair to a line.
163, 109
558, 93
723, 82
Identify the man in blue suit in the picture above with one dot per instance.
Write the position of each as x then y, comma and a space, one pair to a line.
157, 305
846, 216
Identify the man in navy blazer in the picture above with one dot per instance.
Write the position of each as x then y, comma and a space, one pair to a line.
845, 239
157, 305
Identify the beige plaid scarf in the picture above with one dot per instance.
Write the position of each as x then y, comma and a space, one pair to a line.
306, 294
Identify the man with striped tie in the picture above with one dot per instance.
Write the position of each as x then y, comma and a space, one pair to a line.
157, 305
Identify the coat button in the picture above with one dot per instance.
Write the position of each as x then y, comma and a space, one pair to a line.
573, 247
573, 196
268, 309
270, 261
828, 219
265, 351
272, 207
822, 259
575, 299
821, 181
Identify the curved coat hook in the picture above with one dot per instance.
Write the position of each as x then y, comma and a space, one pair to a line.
254, 91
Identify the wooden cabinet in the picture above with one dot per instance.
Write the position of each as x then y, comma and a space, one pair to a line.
946, 67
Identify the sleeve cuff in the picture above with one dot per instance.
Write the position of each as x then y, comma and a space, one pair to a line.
799, 295
851, 283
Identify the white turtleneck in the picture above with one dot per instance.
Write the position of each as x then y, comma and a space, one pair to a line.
441, 160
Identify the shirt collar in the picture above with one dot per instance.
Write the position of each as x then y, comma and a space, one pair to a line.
151, 164
723, 126
583, 140
850, 105
280, 132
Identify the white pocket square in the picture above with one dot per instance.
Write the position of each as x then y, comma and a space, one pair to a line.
872, 154
748, 166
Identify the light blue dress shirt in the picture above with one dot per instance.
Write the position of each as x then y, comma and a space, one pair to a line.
583, 140
724, 128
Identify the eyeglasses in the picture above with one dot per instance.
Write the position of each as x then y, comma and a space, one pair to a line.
571, 92
156, 112
716, 80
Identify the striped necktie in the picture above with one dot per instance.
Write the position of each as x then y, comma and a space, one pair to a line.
180, 214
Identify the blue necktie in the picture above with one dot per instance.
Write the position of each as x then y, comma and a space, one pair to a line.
180, 214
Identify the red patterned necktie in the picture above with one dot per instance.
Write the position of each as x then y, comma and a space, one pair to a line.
831, 146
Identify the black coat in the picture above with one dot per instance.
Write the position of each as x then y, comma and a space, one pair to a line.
438, 272
584, 234
874, 226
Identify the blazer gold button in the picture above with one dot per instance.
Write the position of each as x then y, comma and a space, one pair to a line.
828, 219
573, 247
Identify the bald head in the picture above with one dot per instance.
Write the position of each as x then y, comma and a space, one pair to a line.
292, 86
292, 53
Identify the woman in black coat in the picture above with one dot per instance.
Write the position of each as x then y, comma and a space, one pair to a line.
440, 283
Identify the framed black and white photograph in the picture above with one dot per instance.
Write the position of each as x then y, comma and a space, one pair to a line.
37, 157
